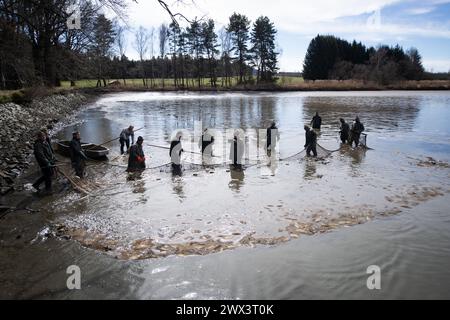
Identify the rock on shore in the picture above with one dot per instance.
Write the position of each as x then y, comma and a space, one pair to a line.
18, 126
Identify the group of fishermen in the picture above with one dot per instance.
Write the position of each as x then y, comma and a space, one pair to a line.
136, 162
350, 135
45, 157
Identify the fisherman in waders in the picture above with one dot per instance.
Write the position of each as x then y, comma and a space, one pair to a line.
125, 139
77, 155
206, 143
236, 151
46, 161
311, 141
176, 149
272, 138
316, 122
47, 139
355, 132
136, 161
344, 131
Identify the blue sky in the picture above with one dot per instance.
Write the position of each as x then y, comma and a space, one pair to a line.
410, 23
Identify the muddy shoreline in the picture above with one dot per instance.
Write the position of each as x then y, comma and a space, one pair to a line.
19, 123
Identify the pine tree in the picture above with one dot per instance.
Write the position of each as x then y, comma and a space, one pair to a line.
263, 49
194, 34
239, 27
209, 38
102, 44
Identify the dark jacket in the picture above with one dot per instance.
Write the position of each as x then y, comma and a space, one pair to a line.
205, 141
136, 161
77, 155
316, 122
311, 138
49, 141
270, 131
175, 152
237, 151
43, 153
345, 129
358, 128
126, 134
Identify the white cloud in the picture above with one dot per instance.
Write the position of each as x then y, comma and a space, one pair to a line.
304, 18
436, 65
285, 13
420, 10
295, 16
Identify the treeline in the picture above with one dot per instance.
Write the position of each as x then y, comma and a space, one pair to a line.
197, 55
329, 57
38, 48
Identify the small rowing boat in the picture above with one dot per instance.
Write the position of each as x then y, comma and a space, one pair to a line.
92, 151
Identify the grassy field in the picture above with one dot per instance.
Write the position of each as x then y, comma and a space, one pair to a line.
158, 83
284, 83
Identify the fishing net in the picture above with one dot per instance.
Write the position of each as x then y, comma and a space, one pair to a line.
186, 167
209, 165
85, 186
321, 153
363, 141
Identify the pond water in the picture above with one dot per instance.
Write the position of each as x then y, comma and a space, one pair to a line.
302, 228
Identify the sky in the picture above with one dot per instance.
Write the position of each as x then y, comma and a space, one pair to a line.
409, 23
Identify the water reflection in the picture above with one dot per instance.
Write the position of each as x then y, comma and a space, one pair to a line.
358, 155
138, 185
237, 179
178, 187
377, 113
310, 169
273, 164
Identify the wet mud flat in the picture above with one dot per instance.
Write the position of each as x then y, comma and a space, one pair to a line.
314, 211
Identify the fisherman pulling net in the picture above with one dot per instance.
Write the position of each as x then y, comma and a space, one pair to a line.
237, 157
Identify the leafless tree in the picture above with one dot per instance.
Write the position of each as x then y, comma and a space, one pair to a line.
225, 48
121, 44
152, 55
163, 40
140, 44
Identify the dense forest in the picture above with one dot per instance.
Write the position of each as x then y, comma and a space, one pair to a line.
329, 57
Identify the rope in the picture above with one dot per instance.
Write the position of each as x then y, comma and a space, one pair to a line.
89, 148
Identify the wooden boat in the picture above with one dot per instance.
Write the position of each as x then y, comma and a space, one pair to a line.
92, 151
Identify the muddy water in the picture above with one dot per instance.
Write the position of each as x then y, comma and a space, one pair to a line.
293, 229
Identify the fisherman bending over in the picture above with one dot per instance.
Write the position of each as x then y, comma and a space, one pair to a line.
125, 139
355, 132
316, 122
237, 151
206, 143
77, 155
176, 149
136, 161
344, 131
311, 142
46, 160
272, 138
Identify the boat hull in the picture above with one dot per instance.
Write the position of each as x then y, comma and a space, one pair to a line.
91, 151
